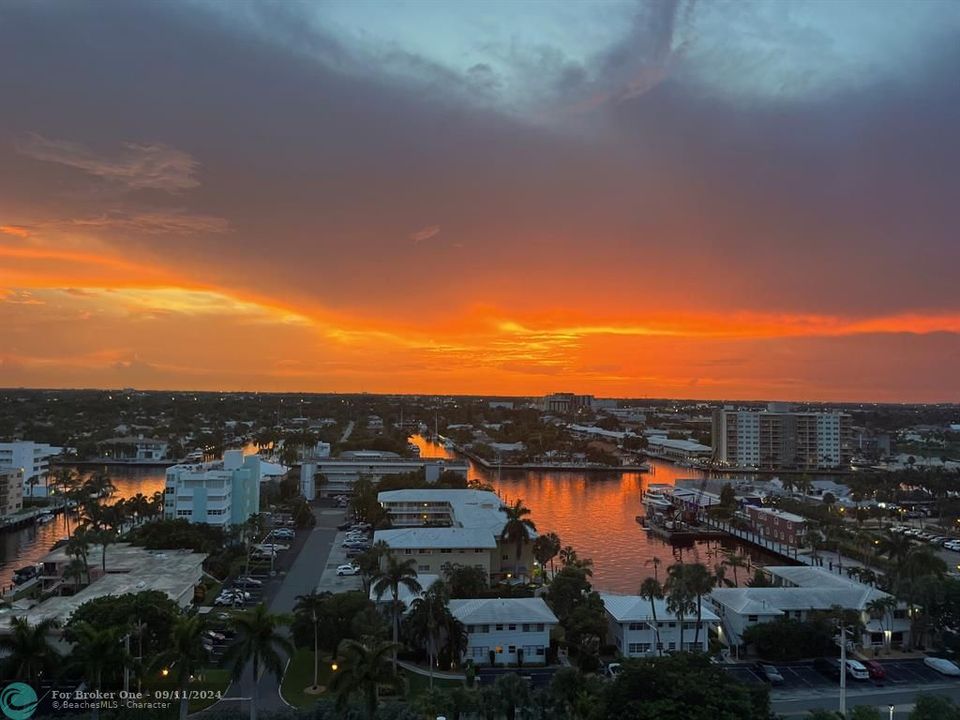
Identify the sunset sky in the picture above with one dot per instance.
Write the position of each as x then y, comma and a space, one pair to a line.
710, 200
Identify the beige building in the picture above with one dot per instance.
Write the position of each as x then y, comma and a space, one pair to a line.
460, 527
11, 490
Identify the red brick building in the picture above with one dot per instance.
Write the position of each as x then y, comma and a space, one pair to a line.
777, 525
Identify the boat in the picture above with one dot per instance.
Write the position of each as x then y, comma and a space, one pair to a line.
46, 517
657, 493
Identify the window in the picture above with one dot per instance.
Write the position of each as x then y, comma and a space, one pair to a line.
636, 648
446, 551
673, 624
479, 653
512, 627
471, 629
539, 627
423, 568
484, 628
526, 627
899, 614
505, 557
408, 552
751, 618
512, 649
541, 651
673, 646
479, 550
499, 628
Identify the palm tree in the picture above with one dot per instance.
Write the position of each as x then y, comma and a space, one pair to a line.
312, 605
27, 649
77, 547
896, 547
880, 608
364, 668
258, 640
545, 549
518, 530
185, 654
700, 582
735, 560
431, 623
656, 563
568, 556
679, 595
96, 651
395, 574
651, 589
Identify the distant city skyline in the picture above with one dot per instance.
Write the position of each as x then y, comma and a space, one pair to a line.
749, 200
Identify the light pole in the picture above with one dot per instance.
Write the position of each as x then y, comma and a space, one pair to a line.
892, 708
843, 669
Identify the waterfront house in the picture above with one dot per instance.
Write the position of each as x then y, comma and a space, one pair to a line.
778, 525
633, 629
515, 630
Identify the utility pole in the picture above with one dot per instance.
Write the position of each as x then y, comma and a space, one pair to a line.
843, 669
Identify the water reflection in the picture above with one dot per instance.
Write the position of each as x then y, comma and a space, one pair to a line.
596, 513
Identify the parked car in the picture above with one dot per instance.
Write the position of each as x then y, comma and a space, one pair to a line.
214, 635
857, 671
355, 552
942, 666
345, 526
612, 670
768, 672
827, 666
348, 569
247, 580
875, 669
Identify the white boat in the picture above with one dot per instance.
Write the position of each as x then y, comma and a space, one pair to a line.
658, 493
46, 517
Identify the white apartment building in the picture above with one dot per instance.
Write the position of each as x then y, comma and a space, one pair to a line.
516, 630
633, 629
11, 490
801, 592
778, 438
216, 493
460, 527
33, 460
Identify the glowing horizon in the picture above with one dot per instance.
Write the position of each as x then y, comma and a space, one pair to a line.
641, 202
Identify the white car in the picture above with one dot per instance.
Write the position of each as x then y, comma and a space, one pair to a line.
347, 569
857, 670
942, 666
251, 581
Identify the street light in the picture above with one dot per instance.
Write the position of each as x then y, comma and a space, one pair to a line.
892, 708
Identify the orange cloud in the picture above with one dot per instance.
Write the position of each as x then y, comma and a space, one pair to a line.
15, 230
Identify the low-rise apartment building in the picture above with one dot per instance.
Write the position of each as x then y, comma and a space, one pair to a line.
514, 630
802, 592
778, 525
217, 493
462, 527
635, 631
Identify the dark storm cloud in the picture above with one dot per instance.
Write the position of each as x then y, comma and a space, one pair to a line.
317, 158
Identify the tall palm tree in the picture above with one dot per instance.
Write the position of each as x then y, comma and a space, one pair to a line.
27, 649
896, 547
700, 582
258, 641
432, 624
655, 562
311, 605
185, 654
680, 597
78, 547
394, 575
735, 560
518, 529
568, 556
651, 589
96, 651
363, 669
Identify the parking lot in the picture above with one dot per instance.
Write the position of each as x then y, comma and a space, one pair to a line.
329, 580
802, 676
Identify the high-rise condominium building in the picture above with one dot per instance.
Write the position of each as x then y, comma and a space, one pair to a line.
777, 438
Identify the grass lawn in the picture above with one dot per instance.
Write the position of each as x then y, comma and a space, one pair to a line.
214, 679
299, 675
417, 683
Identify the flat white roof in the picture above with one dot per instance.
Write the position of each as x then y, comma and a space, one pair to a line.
474, 509
634, 608
773, 600
502, 610
436, 537
688, 445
